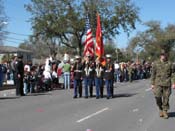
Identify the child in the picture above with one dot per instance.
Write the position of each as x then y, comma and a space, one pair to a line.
26, 81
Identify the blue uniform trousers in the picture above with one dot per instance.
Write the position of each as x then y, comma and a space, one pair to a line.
108, 84
98, 85
77, 85
87, 84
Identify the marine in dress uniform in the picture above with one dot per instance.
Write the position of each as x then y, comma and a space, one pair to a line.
99, 72
77, 69
109, 76
88, 77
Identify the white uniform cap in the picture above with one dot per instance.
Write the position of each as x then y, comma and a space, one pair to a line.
77, 57
71, 60
108, 55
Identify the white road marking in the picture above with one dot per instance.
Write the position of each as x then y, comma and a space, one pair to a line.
94, 114
135, 110
140, 120
149, 89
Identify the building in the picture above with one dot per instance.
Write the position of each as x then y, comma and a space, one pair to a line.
10, 50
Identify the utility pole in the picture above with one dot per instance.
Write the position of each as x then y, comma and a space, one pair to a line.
117, 54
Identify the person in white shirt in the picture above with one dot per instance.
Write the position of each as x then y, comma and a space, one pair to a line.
117, 72
47, 75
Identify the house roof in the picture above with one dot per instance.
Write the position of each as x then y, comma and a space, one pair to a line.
11, 49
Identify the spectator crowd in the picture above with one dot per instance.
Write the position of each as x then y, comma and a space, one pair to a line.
77, 73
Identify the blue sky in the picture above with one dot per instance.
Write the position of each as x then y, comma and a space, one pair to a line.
18, 21
160, 10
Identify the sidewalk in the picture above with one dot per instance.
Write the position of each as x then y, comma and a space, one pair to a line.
7, 92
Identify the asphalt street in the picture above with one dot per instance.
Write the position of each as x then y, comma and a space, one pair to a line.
132, 109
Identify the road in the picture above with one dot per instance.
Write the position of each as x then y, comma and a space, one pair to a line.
132, 109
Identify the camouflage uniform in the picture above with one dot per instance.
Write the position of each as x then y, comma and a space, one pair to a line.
161, 78
130, 72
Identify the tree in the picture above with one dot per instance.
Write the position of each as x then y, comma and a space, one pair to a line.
38, 46
3, 22
64, 20
152, 41
117, 54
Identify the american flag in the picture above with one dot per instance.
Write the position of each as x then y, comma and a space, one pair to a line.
88, 44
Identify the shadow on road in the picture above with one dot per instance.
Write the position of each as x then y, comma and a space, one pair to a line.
5, 98
171, 114
119, 95
124, 95
39, 94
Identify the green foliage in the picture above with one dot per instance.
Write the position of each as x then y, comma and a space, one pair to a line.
40, 48
7, 58
64, 20
117, 54
151, 42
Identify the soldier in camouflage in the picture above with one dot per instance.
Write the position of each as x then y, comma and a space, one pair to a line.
130, 71
161, 81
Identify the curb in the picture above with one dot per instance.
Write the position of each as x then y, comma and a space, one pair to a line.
8, 93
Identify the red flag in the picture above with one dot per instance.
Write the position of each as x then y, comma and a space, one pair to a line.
103, 61
89, 43
99, 40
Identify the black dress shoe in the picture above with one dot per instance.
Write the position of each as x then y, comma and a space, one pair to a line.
97, 97
107, 97
75, 97
86, 97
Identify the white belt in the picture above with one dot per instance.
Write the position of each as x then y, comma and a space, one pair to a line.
78, 71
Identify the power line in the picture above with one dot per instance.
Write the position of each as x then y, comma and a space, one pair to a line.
11, 38
15, 42
15, 33
6, 37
